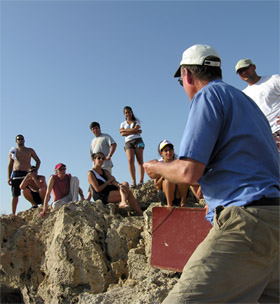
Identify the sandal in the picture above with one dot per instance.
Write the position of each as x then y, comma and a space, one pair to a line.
140, 184
133, 185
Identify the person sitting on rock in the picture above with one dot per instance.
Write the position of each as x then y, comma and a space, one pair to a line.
34, 187
64, 188
105, 187
170, 193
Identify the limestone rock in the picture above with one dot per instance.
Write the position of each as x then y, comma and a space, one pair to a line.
85, 252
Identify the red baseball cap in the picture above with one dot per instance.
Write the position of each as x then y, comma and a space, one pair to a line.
58, 166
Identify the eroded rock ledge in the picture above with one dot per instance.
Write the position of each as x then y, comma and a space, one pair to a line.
83, 253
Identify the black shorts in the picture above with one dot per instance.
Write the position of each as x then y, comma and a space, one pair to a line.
162, 198
17, 178
134, 144
36, 197
103, 195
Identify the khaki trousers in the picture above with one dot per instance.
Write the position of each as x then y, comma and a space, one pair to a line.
238, 262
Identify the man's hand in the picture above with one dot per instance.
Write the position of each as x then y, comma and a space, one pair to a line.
150, 168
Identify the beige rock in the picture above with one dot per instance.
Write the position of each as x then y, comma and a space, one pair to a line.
85, 252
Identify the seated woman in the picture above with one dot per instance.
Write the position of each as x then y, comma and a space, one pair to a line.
105, 187
169, 193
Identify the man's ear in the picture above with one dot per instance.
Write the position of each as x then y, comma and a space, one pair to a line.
189, 77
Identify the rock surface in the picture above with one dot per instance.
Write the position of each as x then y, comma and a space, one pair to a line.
84, 252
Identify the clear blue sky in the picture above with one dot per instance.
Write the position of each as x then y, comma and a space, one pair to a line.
65, 64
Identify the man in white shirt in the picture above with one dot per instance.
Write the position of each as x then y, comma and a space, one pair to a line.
265, 91
102, 143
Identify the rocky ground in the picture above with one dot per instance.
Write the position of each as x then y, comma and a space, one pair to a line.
84, 252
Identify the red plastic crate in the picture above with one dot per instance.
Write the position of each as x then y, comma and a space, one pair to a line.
176, 234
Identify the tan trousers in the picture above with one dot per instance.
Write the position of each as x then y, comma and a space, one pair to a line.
238, 262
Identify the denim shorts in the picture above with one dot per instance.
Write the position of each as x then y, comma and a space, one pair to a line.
134, 144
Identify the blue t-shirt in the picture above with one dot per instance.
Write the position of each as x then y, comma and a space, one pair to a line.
228, 133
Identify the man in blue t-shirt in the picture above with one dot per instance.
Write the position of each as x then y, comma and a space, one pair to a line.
228, 147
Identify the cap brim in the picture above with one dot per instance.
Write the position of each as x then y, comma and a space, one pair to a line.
178, 73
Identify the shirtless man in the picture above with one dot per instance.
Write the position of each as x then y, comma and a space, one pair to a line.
34, 187
19, 163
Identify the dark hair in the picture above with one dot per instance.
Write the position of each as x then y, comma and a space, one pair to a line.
94, 155
19, 135
32, 169
130, 109
94, 124
204, 72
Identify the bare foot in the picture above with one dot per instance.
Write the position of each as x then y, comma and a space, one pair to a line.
123, 205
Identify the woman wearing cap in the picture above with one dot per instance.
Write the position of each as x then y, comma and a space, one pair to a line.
105, 187
168, 192
64, 188
134, 145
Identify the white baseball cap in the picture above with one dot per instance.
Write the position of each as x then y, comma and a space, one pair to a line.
164, 143
196, 55
243, 63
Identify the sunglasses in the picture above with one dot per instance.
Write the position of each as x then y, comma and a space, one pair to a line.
180, 81
100, 158
20, 138
62, 169
34, 170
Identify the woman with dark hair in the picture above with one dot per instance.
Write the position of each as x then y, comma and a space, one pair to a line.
105, 187
134, 145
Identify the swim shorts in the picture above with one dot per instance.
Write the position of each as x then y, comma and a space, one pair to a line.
17, 178
134, 144
36, 197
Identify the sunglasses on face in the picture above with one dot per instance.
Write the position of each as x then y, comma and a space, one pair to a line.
100, 158
62, 169
33, 170
20, 138
180, 81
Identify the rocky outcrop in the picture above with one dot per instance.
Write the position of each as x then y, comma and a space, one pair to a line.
84, 252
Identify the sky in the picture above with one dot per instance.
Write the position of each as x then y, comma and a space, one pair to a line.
65, 64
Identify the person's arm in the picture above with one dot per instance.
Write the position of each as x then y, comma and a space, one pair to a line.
10, 168
26, 181
47, 197
158, 182
93, 182
36, 158
186, 171
135, 130
112, 151
81, 194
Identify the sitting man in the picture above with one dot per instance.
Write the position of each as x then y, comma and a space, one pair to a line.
64, 188
34, 187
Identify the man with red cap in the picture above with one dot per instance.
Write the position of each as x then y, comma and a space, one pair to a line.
64, 188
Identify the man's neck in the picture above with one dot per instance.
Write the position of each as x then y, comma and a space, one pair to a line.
253, 80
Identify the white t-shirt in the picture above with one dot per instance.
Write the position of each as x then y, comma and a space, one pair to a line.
125, 125
102, 143
266, 94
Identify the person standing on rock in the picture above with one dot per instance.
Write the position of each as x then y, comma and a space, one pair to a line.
64, 188
228, 147
102, 142
134, 145
265, 91
34, 187
19, 163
